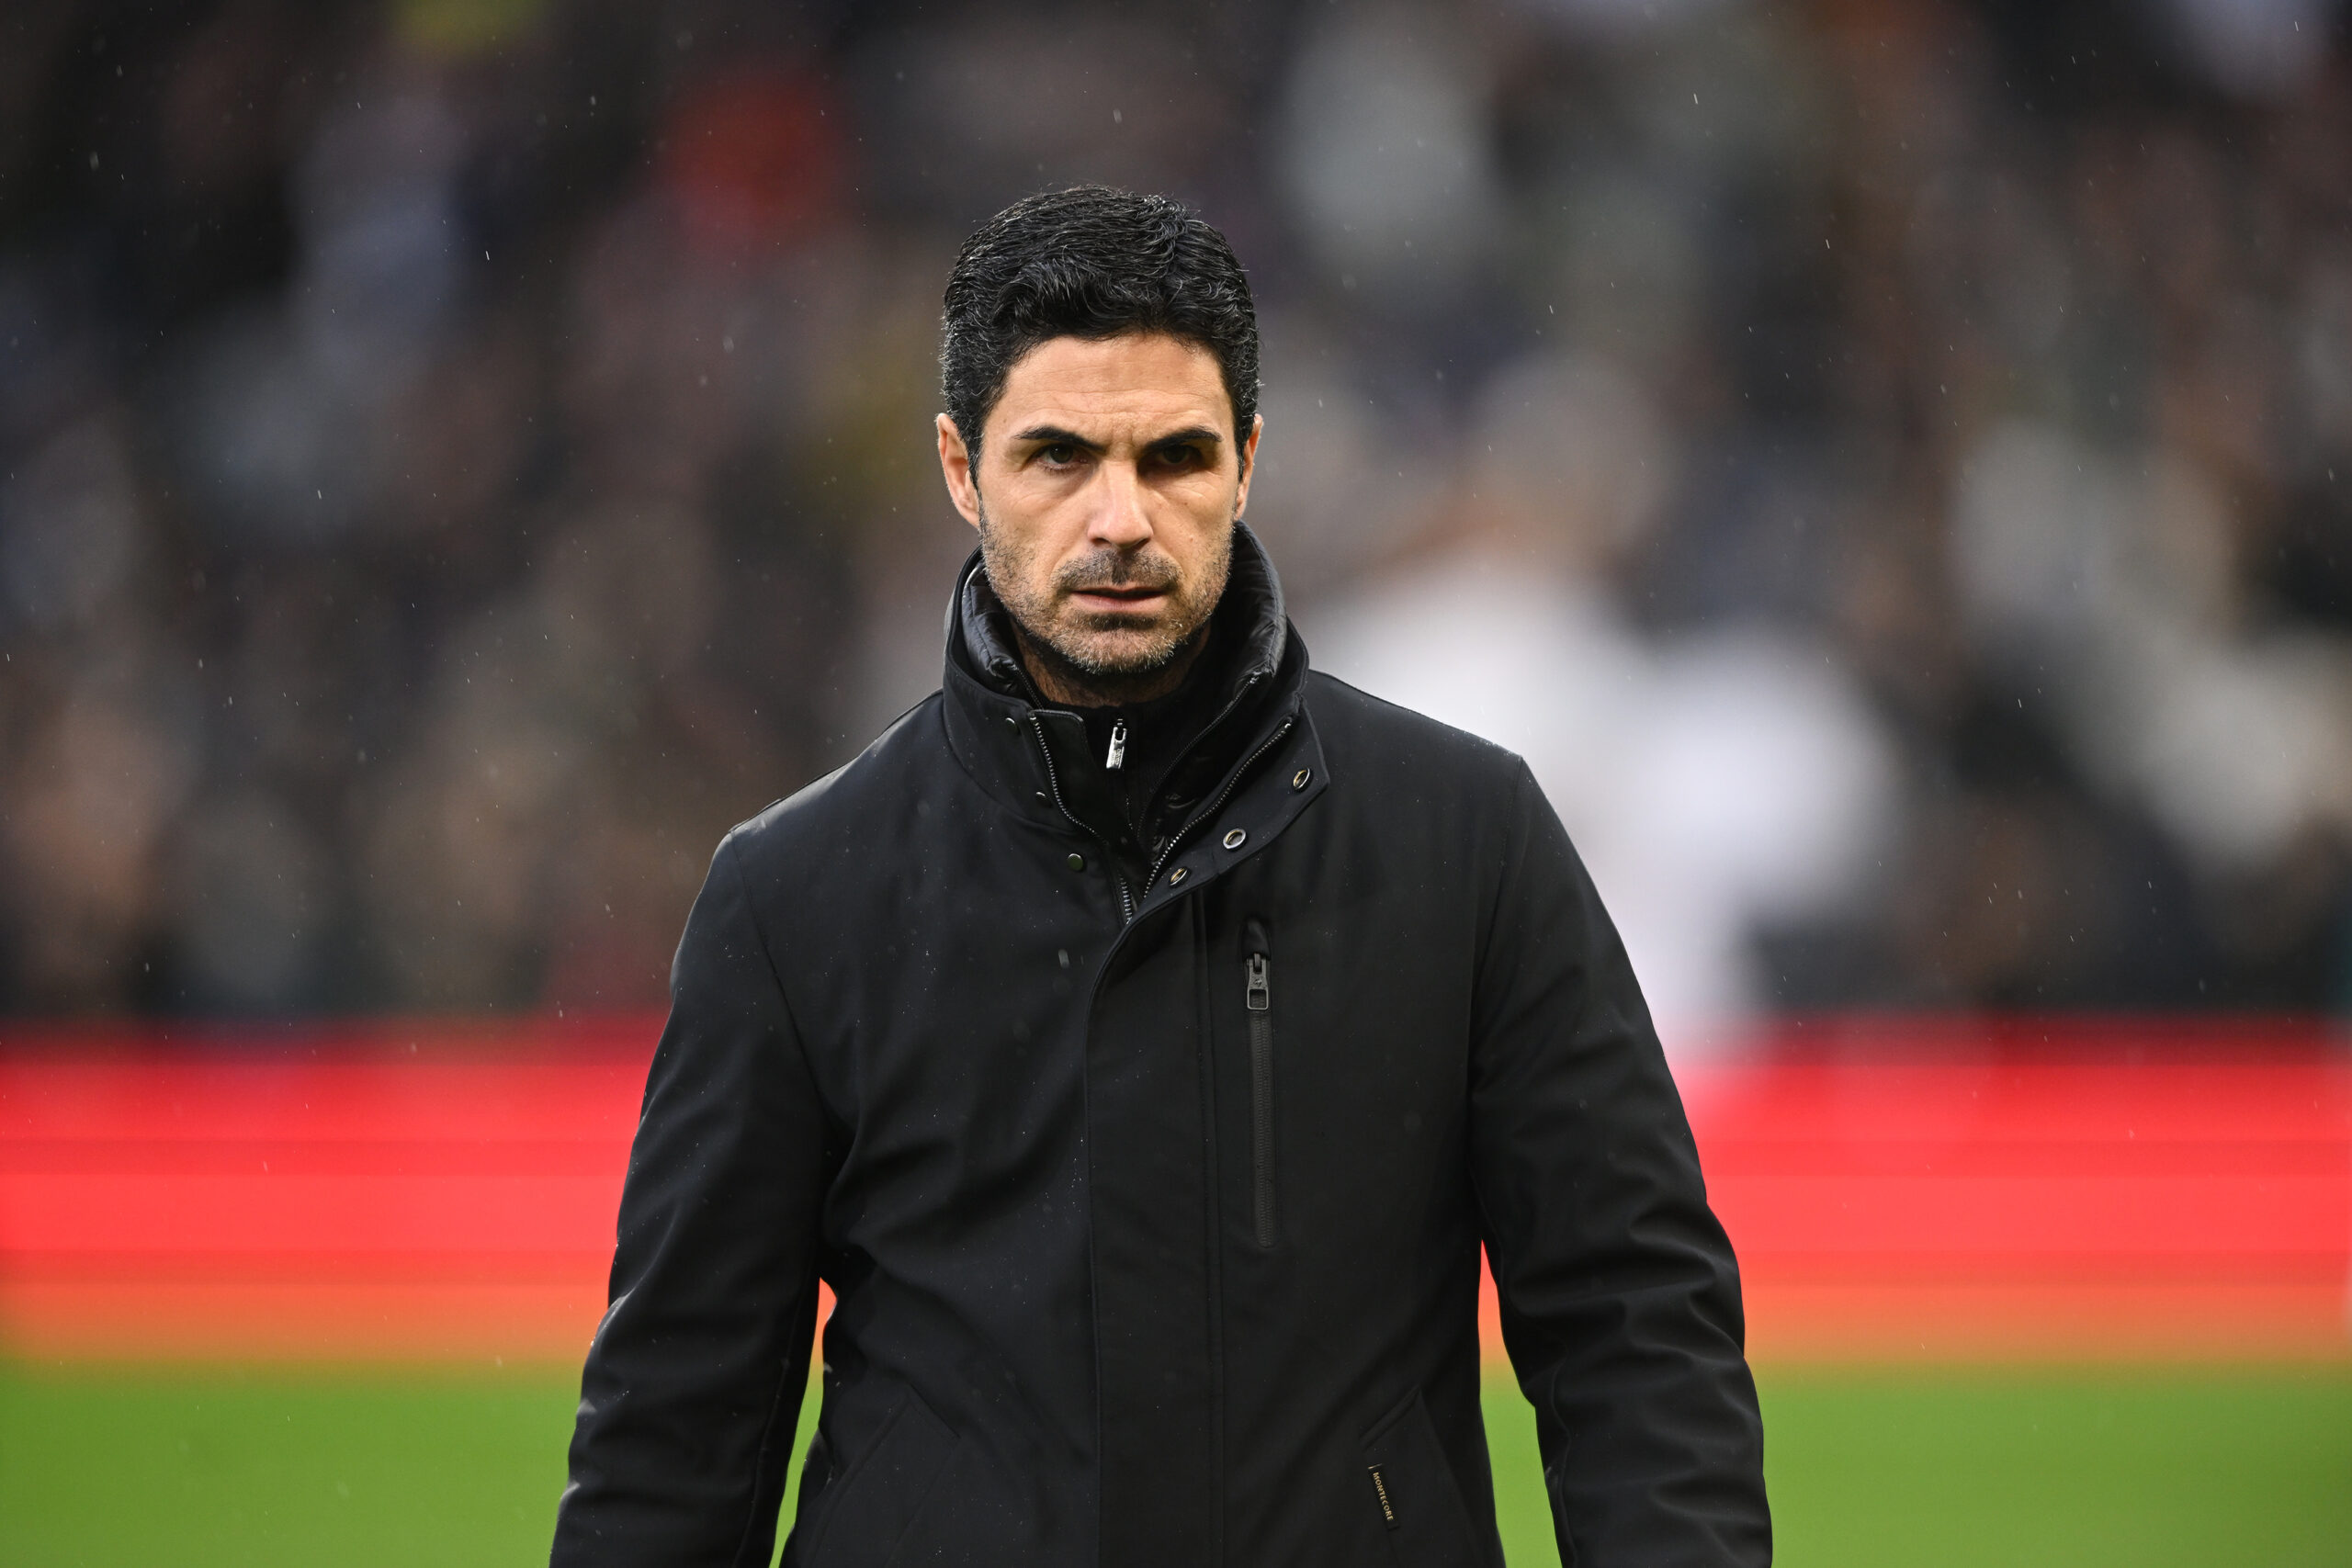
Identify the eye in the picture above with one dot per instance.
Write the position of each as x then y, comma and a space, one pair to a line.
1057, 454
1181, 454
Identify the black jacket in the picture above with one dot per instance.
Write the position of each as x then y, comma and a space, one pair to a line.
1150, 1178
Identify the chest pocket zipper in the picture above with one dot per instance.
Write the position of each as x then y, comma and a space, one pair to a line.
1259, 998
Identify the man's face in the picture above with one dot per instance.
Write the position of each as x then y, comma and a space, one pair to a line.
1106, 494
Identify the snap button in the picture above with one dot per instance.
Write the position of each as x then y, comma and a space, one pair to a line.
1298, 779
1044, 799
1179, 874
1011, 721
1078, 863
1235, 838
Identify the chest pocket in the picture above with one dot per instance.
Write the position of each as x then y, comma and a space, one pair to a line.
1409, 1486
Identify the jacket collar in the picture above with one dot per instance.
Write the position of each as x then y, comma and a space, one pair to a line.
1032, 756
980, 628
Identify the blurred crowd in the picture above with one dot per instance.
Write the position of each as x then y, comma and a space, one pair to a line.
1887, 465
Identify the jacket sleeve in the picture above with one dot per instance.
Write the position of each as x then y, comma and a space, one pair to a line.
692, 1389
1619, 1291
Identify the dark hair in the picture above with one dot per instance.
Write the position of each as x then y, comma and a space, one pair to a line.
1094, 262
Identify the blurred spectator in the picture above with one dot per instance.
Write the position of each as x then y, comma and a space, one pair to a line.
1889, 468
1717, 782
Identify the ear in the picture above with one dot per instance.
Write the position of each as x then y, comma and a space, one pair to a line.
1249, 464
956, 468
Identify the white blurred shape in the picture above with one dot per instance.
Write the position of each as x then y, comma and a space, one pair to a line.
1710, 786
1611, 17
2112, 587
2241, 748
1385, 152
2033, 534
1569, 457
1326, 496
281, 406
1760, 764
276, 439
2257, 49
376, 197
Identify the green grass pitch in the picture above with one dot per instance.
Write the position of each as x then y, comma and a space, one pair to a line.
1886, 1467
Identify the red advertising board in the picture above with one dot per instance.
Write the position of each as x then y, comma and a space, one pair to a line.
1895, 1188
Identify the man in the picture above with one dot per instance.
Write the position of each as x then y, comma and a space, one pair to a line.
1141, 1038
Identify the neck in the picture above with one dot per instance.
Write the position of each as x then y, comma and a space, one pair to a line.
1063, 682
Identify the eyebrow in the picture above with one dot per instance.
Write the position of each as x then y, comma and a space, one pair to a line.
1046, 434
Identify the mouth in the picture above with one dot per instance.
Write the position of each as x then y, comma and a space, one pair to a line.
1113, 600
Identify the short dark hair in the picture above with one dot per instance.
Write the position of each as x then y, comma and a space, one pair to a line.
1090, 262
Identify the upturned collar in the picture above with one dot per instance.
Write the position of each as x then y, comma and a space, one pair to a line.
1034, 757
980, 628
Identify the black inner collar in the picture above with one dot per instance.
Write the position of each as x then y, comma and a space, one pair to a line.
1176, 746
1158, 734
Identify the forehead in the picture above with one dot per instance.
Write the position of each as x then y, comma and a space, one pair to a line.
1135, 384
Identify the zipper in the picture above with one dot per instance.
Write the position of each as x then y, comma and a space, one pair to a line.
1257, 997
1117, 756
1110, 859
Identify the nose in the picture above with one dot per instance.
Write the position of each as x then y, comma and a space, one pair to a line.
1119, 519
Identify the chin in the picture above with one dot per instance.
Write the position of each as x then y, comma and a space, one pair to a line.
1135, 653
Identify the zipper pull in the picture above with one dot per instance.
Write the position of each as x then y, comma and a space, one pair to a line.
1259, 995
1118, 757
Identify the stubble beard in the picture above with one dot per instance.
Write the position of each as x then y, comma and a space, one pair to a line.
1103, 649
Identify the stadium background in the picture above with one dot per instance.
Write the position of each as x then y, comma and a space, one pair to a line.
1888, 466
